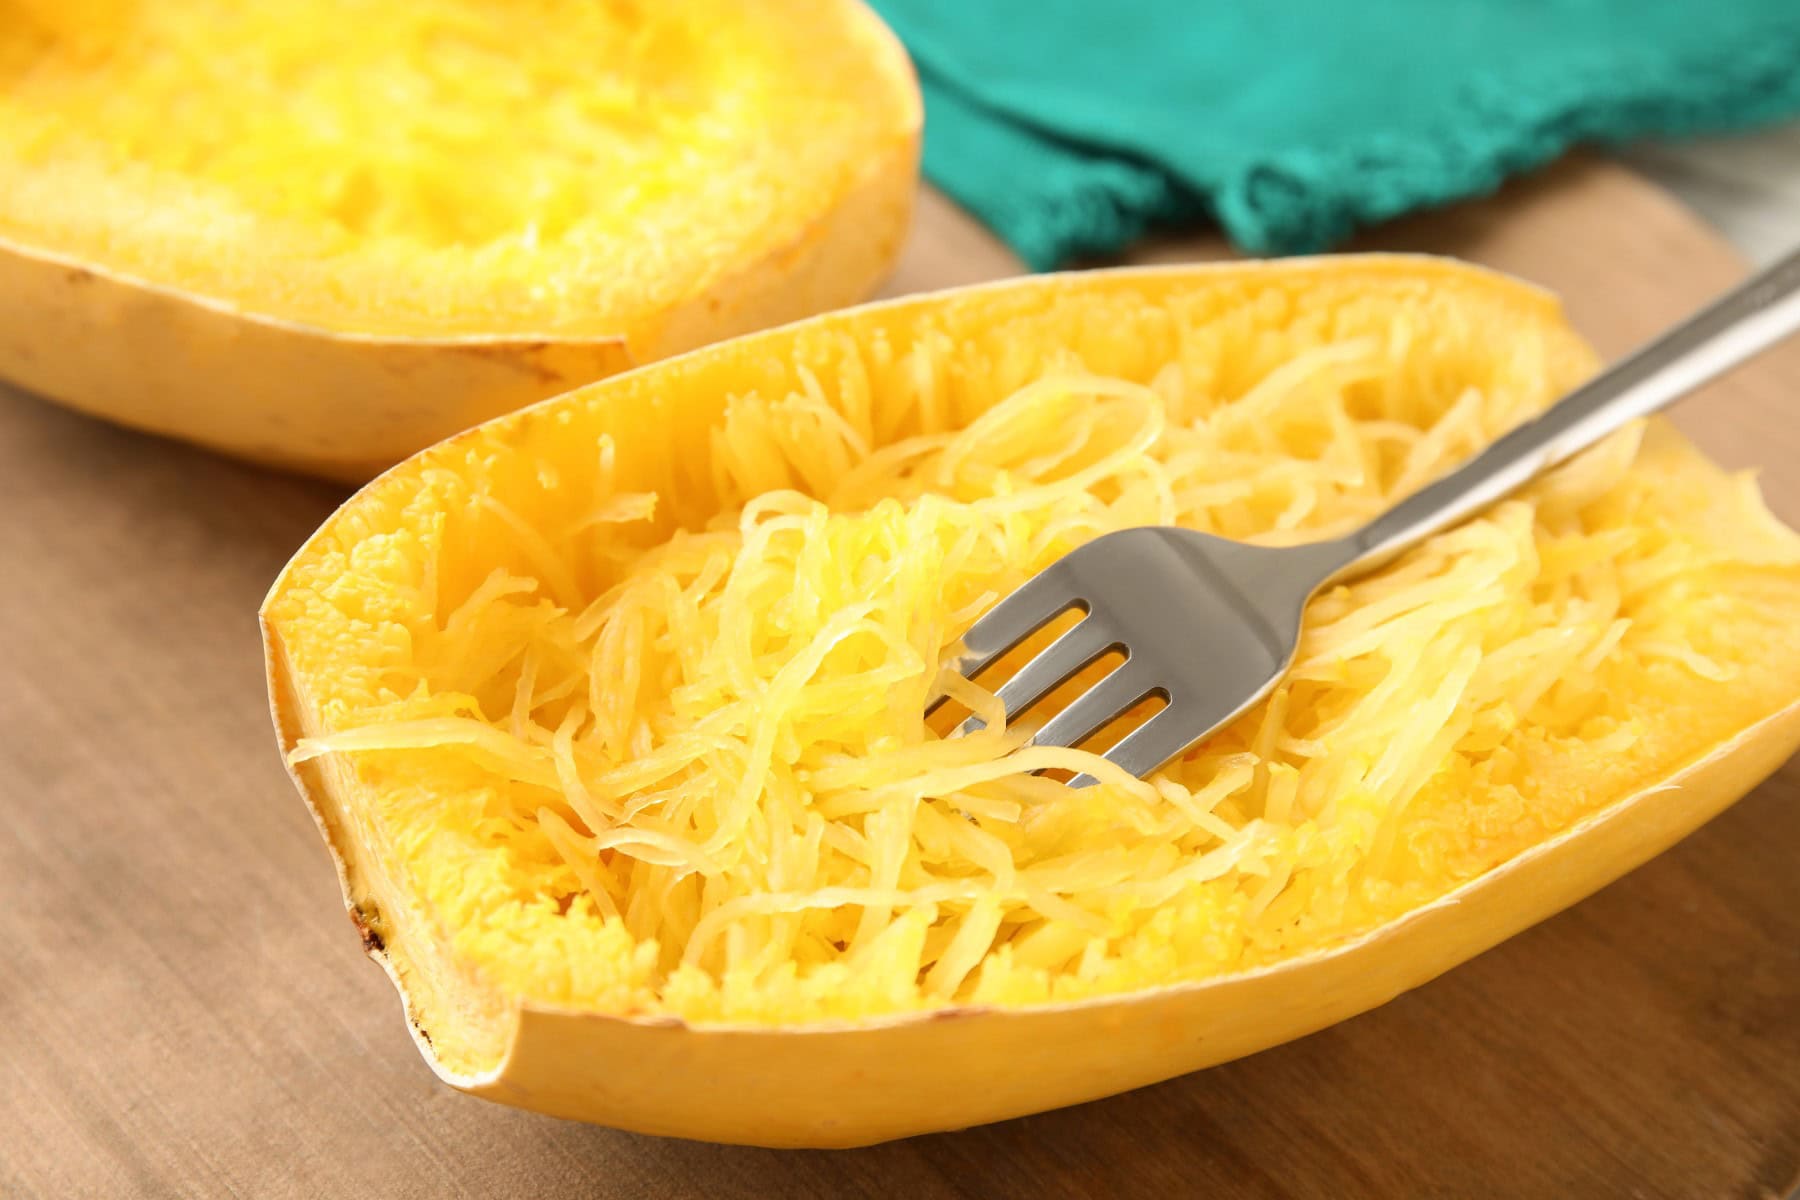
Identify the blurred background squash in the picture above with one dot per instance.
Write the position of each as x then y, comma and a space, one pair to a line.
324, 234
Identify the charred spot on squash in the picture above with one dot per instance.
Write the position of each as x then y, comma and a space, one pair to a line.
367, 919
665, 645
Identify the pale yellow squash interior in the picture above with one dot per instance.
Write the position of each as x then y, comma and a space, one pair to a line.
437, 166
623, 694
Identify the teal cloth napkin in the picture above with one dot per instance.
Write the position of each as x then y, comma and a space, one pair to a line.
1071, 126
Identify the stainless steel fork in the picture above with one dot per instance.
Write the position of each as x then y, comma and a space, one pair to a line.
1209, 625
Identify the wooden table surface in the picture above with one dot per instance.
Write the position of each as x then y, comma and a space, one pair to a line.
1745, 185
185, 1010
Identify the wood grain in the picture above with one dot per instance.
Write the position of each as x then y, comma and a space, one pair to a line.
185, 1011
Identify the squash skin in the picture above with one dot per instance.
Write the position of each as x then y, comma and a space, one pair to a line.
345, 405
856, 1083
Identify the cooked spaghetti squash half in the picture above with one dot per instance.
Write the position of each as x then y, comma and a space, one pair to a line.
612, 710
327, 233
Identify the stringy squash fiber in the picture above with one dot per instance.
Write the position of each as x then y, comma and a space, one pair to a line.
615, 706
329, 232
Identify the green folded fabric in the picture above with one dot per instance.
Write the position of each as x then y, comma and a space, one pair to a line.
1071, 126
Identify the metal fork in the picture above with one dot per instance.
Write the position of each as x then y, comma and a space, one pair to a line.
1209, 625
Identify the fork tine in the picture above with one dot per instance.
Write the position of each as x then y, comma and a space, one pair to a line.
1096, 706
1018, 615
1075, 649
1148, 746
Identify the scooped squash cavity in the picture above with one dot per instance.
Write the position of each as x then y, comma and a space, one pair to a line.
328, 233
612, 709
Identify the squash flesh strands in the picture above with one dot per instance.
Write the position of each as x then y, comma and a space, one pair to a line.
682, 768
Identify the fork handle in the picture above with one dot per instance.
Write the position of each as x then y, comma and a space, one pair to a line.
1742, 323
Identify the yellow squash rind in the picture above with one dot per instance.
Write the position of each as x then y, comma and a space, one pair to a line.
855, 1083
959, 1067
